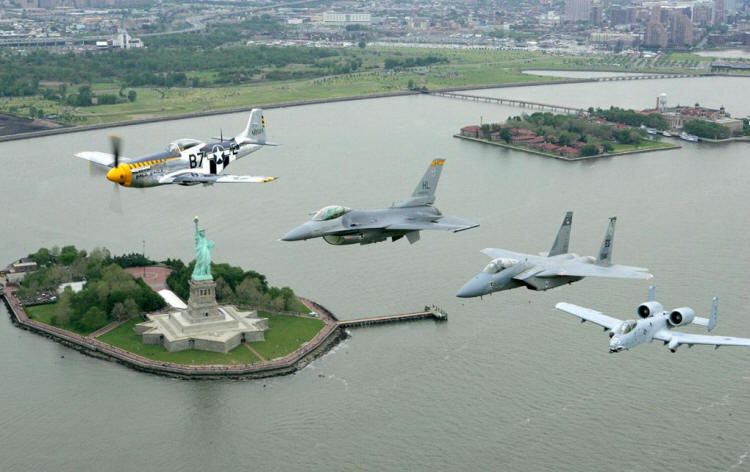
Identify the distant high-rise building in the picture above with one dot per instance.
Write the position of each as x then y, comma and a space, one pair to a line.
597, 14
618, 15
577, 10
682, 30
719, 12
656, 35
702, 13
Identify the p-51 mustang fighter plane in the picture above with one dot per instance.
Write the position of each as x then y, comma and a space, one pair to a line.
655, 323
339, 225
186, 161
509, 269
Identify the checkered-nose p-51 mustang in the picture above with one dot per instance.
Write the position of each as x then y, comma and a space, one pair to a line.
186, 161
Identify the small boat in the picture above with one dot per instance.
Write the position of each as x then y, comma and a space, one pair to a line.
650, 130
666, 133
688, 137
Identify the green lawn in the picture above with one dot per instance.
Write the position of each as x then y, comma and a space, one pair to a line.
124, 337
645, 144
44, 314
299, 307
286, 334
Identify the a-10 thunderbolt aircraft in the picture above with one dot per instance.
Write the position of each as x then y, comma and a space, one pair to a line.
510, 269
186, 161
340, 225
655, 323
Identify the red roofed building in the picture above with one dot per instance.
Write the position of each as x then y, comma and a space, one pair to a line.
472, 131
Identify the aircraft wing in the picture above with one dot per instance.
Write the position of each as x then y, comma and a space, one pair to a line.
447, 223
706, 339
100, 158
580, 269
587, 314
198, 178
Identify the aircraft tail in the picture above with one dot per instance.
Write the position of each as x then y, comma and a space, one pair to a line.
424, 194
560, 246
255, 131
652, 293
605, 252
713, 317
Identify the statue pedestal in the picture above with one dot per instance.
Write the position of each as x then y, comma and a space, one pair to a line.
204, 325
202, 306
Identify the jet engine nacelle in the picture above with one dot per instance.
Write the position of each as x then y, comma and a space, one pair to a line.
681, 316
356, 238
649, 309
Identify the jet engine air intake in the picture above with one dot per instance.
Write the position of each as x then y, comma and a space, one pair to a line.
649, 309
681, 316
356, 238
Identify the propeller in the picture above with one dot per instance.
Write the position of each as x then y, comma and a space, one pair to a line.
115, 201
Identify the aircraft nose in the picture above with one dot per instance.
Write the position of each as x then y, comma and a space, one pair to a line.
116, 175
297, 234
614, 345
474, 288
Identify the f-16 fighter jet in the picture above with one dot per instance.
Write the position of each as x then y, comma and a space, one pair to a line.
186, 161
655, 323
510, 269
340, 225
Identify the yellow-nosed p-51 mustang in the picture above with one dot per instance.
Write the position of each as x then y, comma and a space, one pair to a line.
186, 161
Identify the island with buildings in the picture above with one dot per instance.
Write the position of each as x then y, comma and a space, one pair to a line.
614, 131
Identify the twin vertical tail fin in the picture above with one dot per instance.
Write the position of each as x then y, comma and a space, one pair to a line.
562, 240
713, 318
652, 294
424, 194
605, 252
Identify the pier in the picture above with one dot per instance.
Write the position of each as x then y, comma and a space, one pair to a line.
511, 101
429, 312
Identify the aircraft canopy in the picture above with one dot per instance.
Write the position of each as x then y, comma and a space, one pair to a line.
626, 326
330, 212
182, 144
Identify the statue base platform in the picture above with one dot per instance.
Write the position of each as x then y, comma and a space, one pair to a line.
224, 330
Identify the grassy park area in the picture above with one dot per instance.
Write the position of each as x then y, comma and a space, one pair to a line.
375, 74
45, 313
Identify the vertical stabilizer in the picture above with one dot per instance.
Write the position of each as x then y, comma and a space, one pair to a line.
427, 186
605, 252
560, 246
255, 131
713, 318
424, 194
652, 293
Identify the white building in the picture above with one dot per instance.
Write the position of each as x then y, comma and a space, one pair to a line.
331, 18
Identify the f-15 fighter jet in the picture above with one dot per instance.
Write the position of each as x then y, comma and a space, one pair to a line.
655, 323
340, 225
510, 269
186, 161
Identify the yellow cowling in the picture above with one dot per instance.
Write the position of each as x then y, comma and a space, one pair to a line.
121, 175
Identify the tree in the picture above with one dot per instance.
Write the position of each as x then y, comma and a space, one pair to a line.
132, 95
93, 319
131, 308
362, 44
589, 150
41, 257
505, 134
68, 254
63, 309
119, 312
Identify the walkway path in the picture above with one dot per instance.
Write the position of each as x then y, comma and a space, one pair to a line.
256, 353
106, 329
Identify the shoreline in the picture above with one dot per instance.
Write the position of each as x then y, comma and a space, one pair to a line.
328, 337
296, 103
563, 158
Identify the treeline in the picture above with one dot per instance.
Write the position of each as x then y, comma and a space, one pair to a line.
630, 117
564, 129
110, 293
396, 63
706, 129
234, 286
169, 67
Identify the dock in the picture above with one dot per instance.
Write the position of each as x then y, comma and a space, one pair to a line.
511, 102
430, 312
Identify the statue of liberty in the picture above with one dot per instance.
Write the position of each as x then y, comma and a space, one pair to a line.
202, 270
